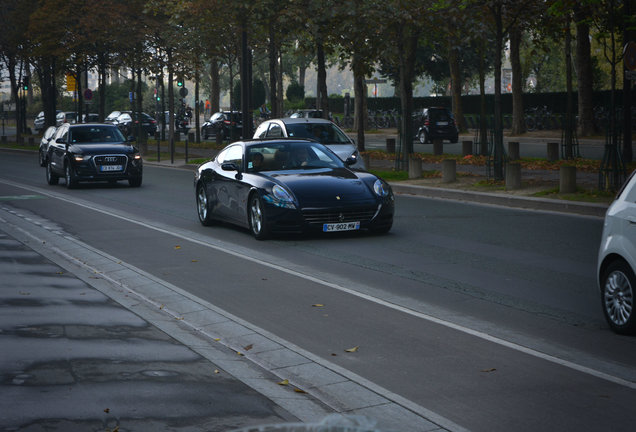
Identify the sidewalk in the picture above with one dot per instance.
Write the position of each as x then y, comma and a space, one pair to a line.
74, 359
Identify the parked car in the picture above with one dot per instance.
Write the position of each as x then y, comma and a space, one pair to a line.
65, 117
306, 113
90, 118
221, 122
92, 152
48, 135
38, 122
290, 186
127, 122
616, 267
321, 130
435, 123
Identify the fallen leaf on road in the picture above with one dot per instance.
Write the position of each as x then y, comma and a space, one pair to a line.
317, 305
107, 410
489, 370
177, 247
284, 382
297, 390
351, 350
249, 347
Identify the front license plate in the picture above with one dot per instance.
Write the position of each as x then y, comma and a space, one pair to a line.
111, 168
346, 226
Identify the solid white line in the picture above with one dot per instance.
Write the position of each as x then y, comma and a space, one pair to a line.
430, 318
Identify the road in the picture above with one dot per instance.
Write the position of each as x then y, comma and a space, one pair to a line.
488, 317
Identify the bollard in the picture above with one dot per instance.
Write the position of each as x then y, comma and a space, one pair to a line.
415, 167
191, 136
567, 179
366, 159
438, 147
177, 135
553, 151
449, 171
513, 150
467, 148
513, 176
390, 145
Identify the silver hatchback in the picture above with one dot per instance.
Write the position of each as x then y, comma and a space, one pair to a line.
617, 260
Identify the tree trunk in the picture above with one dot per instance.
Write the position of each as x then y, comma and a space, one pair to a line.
279, 77
483, 124
273, 75
407, 53
302, 70
584, 73
359, 103
197, 107
215, 97
101, 78
569, 110
518, 121
456, 86
322, 100
498, 134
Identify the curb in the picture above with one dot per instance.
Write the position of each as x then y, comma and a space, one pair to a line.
526, 203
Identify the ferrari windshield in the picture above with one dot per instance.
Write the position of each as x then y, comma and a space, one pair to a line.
289, 156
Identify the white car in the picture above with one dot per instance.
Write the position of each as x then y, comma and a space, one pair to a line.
617, 260
321, 130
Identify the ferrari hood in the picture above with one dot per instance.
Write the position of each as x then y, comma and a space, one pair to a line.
325, 187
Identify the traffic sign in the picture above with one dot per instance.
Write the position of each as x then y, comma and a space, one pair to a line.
88, 94
71, 83
183, 92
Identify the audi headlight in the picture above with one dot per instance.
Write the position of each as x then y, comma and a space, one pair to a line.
280, 198
81, 158
381, 188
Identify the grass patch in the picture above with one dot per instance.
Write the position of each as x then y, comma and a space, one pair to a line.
391, 175
581, 195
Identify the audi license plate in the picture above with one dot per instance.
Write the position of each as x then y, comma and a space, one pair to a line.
345, 226
111, 168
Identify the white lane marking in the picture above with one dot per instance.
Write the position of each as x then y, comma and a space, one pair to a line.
430, 318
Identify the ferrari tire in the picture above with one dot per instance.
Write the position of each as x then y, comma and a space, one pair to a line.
256, 215
203, 206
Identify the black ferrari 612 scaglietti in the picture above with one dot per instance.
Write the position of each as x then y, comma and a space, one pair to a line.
286, 186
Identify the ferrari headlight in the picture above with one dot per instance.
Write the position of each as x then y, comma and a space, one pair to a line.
381, 188
280, 198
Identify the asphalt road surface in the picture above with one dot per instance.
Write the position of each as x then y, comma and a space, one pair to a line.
486, 316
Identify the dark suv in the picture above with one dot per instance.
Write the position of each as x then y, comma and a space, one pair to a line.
221, 122
435, 123
89, 152
127, 122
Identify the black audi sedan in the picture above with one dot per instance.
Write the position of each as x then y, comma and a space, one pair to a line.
286, 186
92, 152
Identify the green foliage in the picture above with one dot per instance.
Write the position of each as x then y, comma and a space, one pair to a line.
295, 92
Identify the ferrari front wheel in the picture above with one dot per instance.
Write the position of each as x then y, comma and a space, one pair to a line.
257, 218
